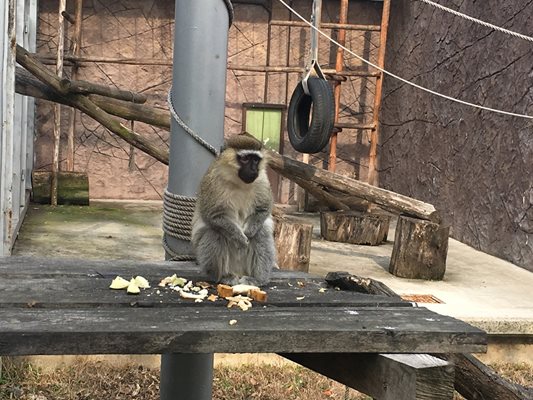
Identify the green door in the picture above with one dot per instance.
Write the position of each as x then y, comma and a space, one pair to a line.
265, 124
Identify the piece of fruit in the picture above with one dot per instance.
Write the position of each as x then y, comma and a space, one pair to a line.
133, 288
141, 282
119, 283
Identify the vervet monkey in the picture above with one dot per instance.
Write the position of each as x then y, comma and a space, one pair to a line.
232, 228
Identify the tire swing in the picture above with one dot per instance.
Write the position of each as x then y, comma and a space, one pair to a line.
312, 99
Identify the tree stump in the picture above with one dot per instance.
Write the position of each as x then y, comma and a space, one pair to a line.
420, 249
354, 227
72, 187
293, 244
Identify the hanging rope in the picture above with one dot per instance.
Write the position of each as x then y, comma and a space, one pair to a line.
230, 11
186, 128
478, 21
433, 92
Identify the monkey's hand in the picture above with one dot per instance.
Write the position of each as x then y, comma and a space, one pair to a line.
231, 231
256, 221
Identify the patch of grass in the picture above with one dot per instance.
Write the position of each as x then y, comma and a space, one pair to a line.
97, 380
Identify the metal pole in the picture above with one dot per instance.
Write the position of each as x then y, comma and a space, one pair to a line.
198, 95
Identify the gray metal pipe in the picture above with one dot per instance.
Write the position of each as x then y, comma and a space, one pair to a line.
199, 88
198, 95
186, 377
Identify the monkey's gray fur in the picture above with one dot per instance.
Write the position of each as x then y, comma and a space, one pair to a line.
232, 232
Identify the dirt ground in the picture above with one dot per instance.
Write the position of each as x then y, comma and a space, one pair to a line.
95, 380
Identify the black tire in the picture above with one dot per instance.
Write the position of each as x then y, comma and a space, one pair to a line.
311, 137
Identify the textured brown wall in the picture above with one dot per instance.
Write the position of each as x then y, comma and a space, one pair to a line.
144, 29
476, 167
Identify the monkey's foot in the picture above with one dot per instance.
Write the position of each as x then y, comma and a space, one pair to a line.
233, 280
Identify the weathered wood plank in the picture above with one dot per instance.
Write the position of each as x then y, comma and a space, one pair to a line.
57, 267
205, 330
386, 376
93, 291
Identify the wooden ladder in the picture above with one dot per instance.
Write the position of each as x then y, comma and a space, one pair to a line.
378, 75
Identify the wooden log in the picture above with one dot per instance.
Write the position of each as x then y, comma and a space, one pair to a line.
353, 283
293, 244
27, 85
420, 249
72, 188
84, 104
385, 376
84, 87
354, 227
57, 107
388, 200
473, 379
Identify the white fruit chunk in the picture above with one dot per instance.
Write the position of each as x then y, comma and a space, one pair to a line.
119, 283
142, 282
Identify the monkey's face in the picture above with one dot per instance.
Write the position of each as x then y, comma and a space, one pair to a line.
249, 164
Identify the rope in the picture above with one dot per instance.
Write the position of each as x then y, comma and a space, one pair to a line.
230, 10
433, 92
478, 21
178, 211
186, 128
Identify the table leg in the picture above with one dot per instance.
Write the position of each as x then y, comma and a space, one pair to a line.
186, 376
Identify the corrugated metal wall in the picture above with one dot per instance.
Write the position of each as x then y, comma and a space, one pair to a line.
18, 22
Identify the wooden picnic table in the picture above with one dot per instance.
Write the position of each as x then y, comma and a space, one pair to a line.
61, 306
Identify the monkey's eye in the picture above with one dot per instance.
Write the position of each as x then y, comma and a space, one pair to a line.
244, 159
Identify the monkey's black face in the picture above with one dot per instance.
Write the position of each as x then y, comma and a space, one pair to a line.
248, 166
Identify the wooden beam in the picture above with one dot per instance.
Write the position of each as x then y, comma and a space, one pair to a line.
83, 103
27, 85
57, 108
84, 87
75, 49
339, 66
289, 69
374, 135
388, 200
473, 379
348, 27
385, 376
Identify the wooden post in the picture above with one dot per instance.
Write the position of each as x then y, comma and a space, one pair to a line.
57, 108
385, 376
354, 227
374, 135
302, 193
76, 45
293, 244
343, 19
420, 249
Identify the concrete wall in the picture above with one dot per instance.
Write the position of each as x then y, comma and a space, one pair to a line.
144, 30
476, 167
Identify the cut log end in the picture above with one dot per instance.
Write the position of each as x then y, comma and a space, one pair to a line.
420, 249
72, 188
293, 244
354, 227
